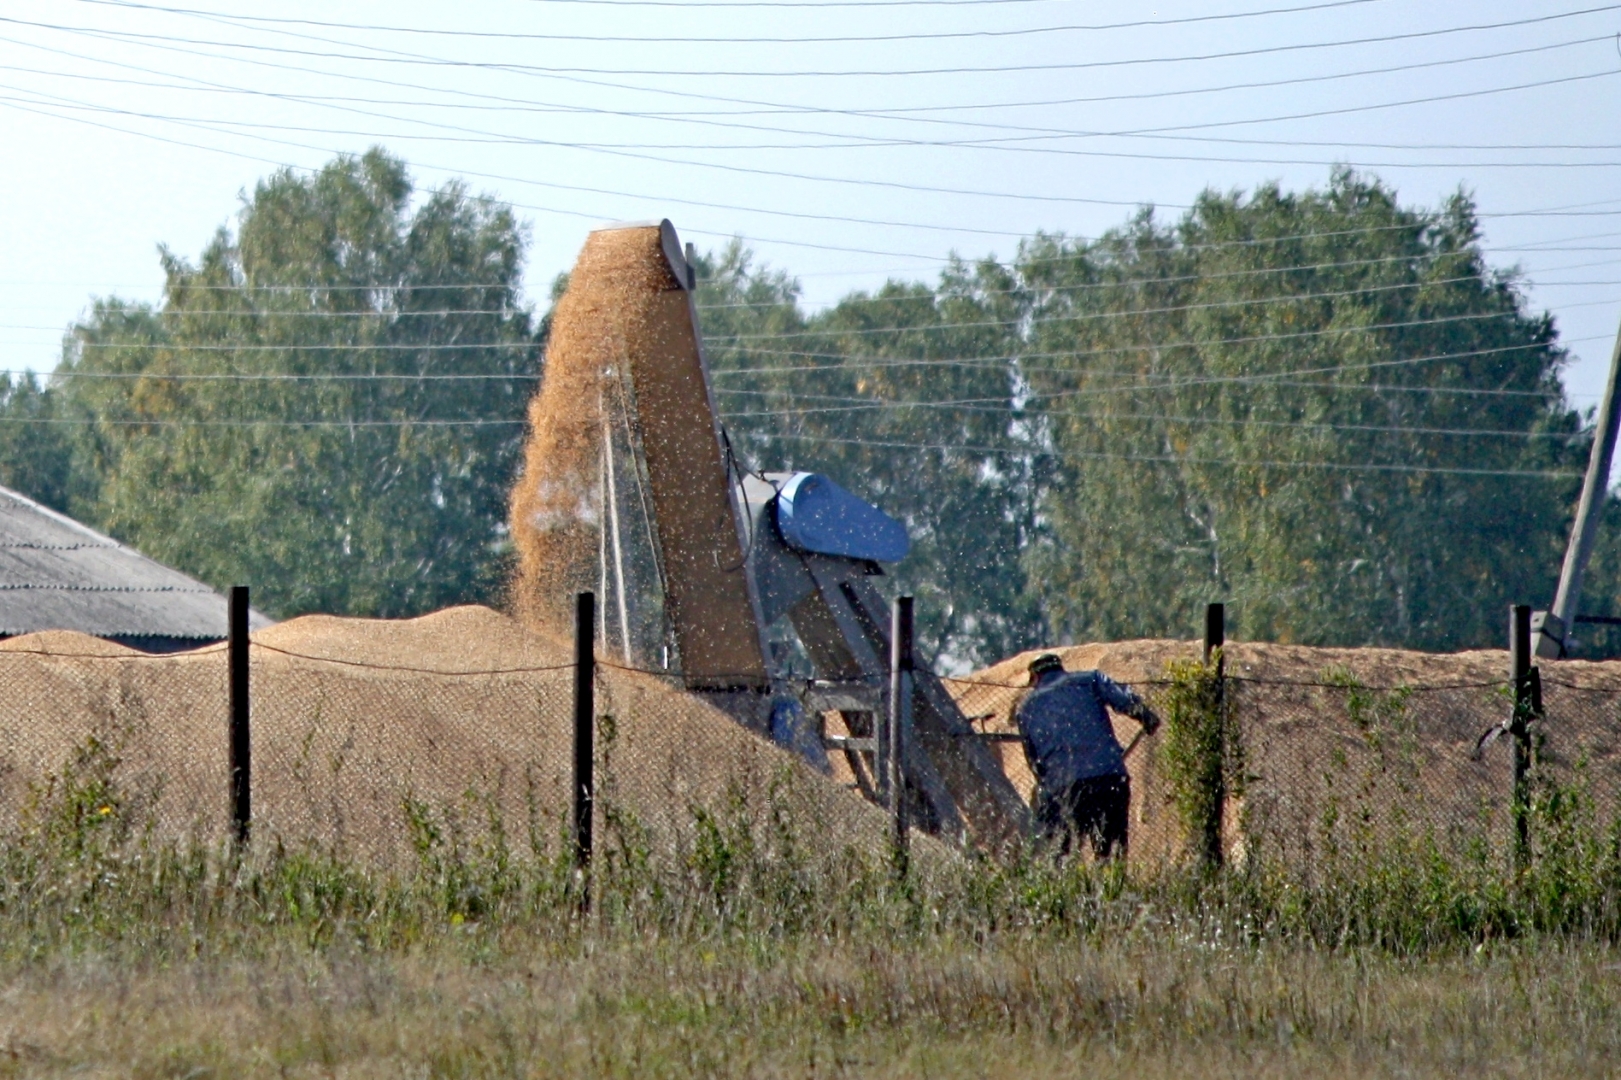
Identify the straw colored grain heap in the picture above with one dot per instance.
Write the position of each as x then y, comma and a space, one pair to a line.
464, 709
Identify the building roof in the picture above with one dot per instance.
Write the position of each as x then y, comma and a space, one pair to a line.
56, 574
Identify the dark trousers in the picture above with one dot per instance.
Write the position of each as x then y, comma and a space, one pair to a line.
1096, 809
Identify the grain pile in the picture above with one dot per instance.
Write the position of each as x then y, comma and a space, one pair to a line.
463, 710
557, 506
1326, 759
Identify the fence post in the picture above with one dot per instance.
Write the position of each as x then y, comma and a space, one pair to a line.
241, 759
1215, 641
900, 718
1215, 629
585, 688
1519, 648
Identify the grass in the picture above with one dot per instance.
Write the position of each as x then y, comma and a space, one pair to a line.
751, 953
511, 1004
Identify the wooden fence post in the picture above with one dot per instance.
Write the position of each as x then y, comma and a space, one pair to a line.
1215, 642
901, 662
1520, 672
241, 755
585, 686
1215, 629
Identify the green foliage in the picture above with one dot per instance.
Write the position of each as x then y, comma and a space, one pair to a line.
37, 444
1190, 437
1202, 754
1377, 794
333, 491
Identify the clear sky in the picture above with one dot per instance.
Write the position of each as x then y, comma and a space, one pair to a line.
845, 142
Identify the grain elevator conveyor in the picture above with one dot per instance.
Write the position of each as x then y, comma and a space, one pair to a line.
763, 575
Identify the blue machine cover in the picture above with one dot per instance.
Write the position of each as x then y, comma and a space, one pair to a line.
815, 514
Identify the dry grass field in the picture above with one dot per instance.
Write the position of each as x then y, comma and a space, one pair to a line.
1138, 1008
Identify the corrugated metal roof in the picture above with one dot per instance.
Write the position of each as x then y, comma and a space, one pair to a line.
57, 574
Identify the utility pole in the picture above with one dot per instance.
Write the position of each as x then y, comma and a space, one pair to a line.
1552, 627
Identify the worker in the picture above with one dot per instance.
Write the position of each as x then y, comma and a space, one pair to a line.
1082, 787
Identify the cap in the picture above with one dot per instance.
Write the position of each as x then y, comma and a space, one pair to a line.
1046, 662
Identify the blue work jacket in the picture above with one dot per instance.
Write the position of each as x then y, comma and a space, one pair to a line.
1066, 729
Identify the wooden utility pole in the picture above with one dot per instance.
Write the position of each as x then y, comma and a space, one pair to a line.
1554, 625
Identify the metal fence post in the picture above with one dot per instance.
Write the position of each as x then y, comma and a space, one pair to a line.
585, 687
1519, 647
1215, 642
241, 759
901, 662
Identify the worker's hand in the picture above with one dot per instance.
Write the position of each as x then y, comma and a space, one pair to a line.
1149, 720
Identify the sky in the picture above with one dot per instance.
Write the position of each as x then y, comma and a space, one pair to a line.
844, 142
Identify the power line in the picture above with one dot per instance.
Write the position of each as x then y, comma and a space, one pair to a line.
214, 125
1175, 381
784, 242
1168, 381
675, 40
776, 173
921, 113
948, 448
850, 300
105, 422
610, 148
909, 114
386, 315
1188, 343
1023, 359
1176, 460
725, 4
1160, 418
298, 348
271, 376
394, 56
941, 298
1086, 316
43, 110
933, 300
1066, 319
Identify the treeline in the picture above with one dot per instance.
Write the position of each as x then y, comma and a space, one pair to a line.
1323, 407
326, 405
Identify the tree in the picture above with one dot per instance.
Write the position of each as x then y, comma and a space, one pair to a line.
327, 405
1316, 406
36, 445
